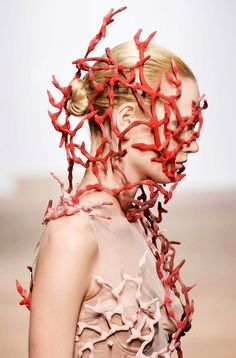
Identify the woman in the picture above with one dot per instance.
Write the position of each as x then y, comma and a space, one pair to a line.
104, 282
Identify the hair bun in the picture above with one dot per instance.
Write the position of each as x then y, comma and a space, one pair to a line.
78, 102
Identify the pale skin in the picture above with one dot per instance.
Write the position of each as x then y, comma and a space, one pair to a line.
68, 253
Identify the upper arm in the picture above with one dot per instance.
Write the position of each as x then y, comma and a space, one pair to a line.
64, 266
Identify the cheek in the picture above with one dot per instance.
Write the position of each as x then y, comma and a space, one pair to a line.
141, 162
172, 144
141, 134
141, 159
153, 169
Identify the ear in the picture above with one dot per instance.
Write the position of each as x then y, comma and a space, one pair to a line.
125, 115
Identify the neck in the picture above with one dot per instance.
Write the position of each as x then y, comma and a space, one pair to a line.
111, 182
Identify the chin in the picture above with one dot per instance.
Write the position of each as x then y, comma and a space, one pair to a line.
161, 179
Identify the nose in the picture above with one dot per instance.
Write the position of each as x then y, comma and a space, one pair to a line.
193, 147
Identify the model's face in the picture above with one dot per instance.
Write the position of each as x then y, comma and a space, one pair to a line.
150, 163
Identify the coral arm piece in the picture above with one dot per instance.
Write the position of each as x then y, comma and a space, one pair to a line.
23, 292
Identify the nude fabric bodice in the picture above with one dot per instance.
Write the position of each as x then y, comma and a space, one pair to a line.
127, 316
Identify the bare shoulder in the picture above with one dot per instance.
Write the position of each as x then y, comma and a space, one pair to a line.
66, 256
71, 232
72, 236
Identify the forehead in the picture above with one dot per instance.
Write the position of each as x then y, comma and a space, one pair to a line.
189, 92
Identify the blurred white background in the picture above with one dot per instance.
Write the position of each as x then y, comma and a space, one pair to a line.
42, 38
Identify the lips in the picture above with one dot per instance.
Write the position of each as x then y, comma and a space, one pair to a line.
184, 161
178, 165
180, 168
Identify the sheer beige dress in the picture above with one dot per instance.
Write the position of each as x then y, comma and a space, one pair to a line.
126, 316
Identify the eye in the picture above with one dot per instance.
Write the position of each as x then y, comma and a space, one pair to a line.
193, 126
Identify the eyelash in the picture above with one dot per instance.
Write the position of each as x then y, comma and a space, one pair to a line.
190, 126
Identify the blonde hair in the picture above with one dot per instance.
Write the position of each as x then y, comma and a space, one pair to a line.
126, 54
